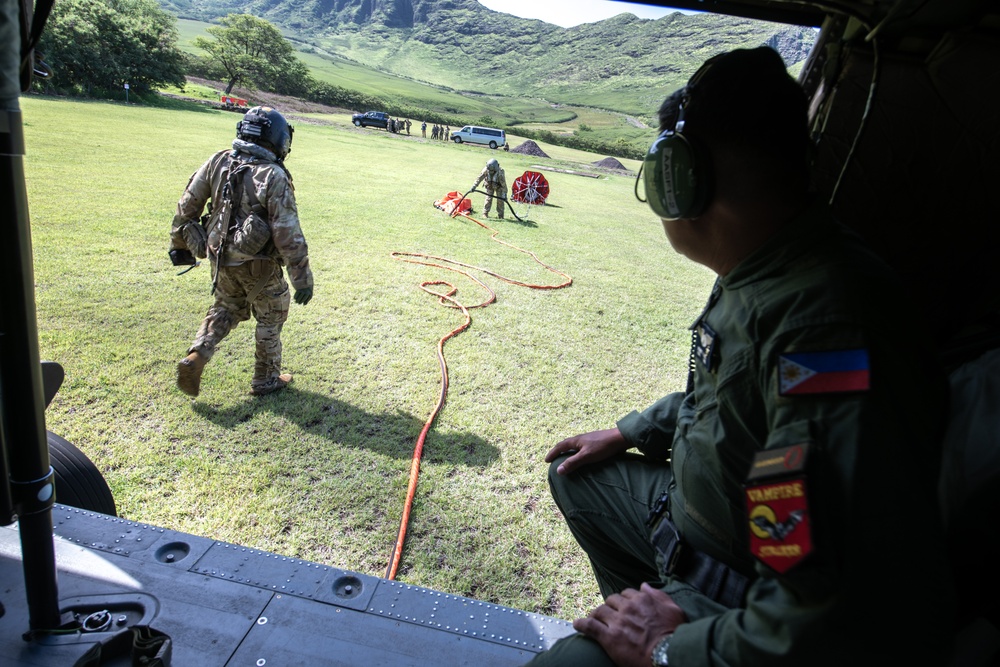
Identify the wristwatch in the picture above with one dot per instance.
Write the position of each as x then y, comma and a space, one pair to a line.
660, 652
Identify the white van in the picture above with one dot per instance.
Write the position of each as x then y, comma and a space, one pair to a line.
488, 136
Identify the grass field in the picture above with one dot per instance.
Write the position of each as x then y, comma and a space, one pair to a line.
320, 470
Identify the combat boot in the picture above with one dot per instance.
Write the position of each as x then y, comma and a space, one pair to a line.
272, 385
189, 373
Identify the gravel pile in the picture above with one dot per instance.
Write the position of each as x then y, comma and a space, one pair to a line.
529, 147
610, 163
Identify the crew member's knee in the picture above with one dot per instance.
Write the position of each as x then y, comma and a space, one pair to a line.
554, 466
557, 482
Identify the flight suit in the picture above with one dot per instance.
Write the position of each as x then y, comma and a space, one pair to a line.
496, 186
801, 462
247, 283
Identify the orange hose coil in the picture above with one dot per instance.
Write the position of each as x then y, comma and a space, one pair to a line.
447, 299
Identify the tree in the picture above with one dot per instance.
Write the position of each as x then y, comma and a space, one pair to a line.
252, 52
100, 45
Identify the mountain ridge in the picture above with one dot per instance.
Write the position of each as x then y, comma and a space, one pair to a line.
624, 62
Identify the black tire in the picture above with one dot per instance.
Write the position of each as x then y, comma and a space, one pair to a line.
357, 123
493, 145
78, 481
457, 140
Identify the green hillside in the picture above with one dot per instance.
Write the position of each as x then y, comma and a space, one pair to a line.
624, 63
352, 75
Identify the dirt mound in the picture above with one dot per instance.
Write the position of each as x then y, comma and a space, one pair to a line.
610, 163
529, 147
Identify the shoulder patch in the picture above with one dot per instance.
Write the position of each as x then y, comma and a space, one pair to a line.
778, 507
704, 343
827, 372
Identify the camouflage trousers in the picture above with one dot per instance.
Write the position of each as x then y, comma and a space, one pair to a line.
269, 308
491, 193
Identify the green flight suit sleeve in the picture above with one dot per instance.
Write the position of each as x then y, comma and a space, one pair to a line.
652, 430
869, 457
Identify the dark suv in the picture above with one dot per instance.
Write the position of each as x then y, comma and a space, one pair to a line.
374, 118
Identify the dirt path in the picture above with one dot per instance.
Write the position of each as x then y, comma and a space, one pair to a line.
290, 107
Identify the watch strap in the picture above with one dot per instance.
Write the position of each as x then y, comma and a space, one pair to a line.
660, 651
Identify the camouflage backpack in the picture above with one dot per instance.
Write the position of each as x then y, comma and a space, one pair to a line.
250, 234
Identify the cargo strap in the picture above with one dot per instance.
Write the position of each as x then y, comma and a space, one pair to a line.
257, 267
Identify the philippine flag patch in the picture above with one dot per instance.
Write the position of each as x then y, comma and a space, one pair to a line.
830, 372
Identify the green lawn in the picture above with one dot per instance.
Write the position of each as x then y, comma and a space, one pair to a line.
320, 470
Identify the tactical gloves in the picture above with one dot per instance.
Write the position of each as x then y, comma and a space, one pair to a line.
195, 238
302, 296
182, 257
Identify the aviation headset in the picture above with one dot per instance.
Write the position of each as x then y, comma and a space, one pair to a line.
678, 176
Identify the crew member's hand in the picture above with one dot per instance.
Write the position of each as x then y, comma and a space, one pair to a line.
589, 447
303, 295
630, 624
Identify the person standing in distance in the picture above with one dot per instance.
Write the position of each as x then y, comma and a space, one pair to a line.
493, 179
778, 512
250, 232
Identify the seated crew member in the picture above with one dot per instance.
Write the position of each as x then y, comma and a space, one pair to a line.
782, 509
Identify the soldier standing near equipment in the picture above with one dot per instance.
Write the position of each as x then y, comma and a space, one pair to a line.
407, 127
753, 530
447, 133
495, 182
251, 230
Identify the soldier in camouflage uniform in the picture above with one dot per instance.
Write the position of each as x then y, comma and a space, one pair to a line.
495, 182
251, 231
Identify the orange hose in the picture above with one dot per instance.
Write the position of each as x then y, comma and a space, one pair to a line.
448, 300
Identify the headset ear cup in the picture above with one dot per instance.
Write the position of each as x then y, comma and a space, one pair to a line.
677, 177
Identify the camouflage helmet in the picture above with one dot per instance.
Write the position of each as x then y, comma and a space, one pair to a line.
492, 164
267, 127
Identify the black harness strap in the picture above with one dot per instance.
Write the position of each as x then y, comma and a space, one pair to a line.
713, 578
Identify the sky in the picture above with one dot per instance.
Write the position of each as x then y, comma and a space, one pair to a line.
568, 13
